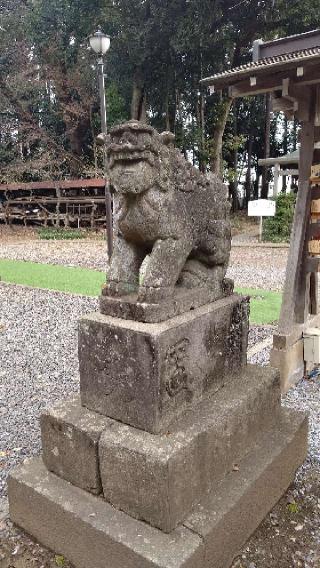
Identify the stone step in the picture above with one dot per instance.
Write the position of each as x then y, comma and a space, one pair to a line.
90, 532
70, 435
234, 509
145, 475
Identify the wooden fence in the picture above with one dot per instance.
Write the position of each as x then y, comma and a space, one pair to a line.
71, 203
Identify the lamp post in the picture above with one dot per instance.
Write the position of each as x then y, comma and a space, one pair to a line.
100, 44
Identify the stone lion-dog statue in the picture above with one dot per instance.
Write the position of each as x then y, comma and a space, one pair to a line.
165, 211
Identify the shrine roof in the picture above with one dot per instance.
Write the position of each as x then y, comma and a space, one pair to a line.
282, 54
263, 66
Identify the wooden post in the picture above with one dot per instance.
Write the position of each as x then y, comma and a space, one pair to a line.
300, 296
314, 293
293, 305
58, 193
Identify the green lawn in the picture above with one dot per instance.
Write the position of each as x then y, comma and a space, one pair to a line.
53, 277
265, 305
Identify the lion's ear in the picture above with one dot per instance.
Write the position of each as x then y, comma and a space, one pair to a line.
103, 139
167, 138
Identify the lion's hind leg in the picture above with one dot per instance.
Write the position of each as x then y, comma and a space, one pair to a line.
197, 274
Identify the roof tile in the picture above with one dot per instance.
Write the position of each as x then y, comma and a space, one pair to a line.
263, 64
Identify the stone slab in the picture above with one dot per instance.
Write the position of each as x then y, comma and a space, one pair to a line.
146, 475
234, 509
183, 300
90, 532
70, 436
147, 375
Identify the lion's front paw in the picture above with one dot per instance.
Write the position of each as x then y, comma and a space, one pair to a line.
154, 295
117, 289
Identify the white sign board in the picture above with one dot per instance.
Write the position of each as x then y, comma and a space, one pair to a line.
262, 208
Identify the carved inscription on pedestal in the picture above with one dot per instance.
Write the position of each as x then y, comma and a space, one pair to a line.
176, 375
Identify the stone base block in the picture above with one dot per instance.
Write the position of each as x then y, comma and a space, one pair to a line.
147, 375
183, 300
146, 475
235, 508
70, 436
90, 532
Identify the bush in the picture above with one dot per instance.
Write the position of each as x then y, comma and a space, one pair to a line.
278, 229
60, 234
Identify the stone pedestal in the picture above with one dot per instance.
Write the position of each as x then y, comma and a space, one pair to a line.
147, 375
172, 455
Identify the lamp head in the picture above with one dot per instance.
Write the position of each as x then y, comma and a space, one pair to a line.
99, 42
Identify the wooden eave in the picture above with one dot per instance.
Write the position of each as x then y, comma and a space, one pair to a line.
267, 75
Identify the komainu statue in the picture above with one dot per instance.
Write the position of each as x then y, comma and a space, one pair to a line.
166, 212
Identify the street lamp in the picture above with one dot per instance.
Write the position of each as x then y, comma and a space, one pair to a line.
100, 44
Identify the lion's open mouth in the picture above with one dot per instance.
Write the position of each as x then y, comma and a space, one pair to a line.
125, 155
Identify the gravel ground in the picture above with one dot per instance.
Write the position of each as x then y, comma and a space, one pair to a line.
85, 253
256, 267
38, 366
250, 266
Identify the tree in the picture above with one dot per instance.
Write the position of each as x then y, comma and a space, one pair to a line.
159, 53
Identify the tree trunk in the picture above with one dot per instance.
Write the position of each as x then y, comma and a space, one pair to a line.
202, 160
138, 101
168, 126
170, 107
180, 122
94, 144
265, 173
200, 138
216, 150
233, 186
77, 124
248, 174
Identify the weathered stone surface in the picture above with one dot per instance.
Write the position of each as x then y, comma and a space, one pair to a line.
165, 209
147, 475
70, 436
146, 375
183, 300
88, 531
235, 508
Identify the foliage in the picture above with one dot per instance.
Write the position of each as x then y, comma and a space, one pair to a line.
278, 229
60, 234
159, 53
293, 508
